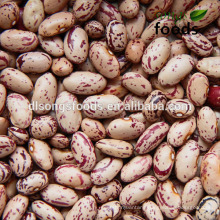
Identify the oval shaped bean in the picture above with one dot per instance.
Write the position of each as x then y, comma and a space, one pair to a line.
4, 59
151, 211
129, 8
134, 103
94, 29
7, 146
5, 172
63, 156
184, 216
51, 6
178, 47
61, 66
3, 95
59, 141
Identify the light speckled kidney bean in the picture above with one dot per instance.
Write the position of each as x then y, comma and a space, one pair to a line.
86, 66
180, 131
51, 6
34, 62
138, 191
197, 89
52, 45
33, 183
62, 156
184, 216
108, 12
56, 24
186, 161
76, 45
177, 47
4, 59
83, 151
208, 208
7, 146
106, 192
115, 148
20, 162
211, 34
166, 191
136, 168
125, 129
151, 211
156, 55
5, 172
212, 8
9, 14
94, 29
134, 50
16, 207
45, 211
59, 195
93, 129
68, 116
209, 66
29, 216
149, 33
84, 83
33, 15
16, 81
198, 43
109, 210
70, 175
136, 83
178, 8
129, 8
3, 198
4, 124
192, 194
18, 41
133, 103
59, 141
104, 60
3, 95
154, 104
207, 124
152, 137
180, 108
163, 161
175, 70
105, 170
84, 209
102, 109
61, 66
20, 113
203, 145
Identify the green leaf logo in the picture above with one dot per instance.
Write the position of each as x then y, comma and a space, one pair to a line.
197, 15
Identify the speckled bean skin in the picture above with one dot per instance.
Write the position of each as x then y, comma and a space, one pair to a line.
18, 41
20, 162
156, 100
167, 198
3, 198
52, 45
129, 8
152, 137
156, 55
207, 124
198, 43
5, 172
45, 211
69, 121
151, 211
63, 156
209, 66
105, 170
29, 216
61, 66
18, 106
192, 194
51, 6
136, 168
115, 148
180, 7
33, 15
211, 34
136, 83
56, 24
84, 83
184, 216
3, 96
94, 29
186, 161
110, 210
16, 81
138, 191
104, 60
71, 176
84, 209
9, 14
108, 12
76, 45
59, 141
33, 183
125, 129
208, 208
40, 152
212, 13
180, 131
4, 59
175, 70
15, 208
7, 146
106, 192
197, 89
163, 161
59, 195
133, 102
177, 47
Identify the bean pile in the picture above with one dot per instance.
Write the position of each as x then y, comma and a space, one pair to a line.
110, 109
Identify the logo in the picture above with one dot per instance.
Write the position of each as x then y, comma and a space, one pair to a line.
195, 15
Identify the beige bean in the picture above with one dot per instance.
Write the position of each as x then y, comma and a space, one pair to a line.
3, 198
184, 216
59, 141
5, 172
129, 8
3, 95
211, 34
4, 125
151, 211
86, 66
4, 59
7, 146
11, 189
61, 66
133, 103
29, 216
94, 29
62, 156
178, 47
51, 6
